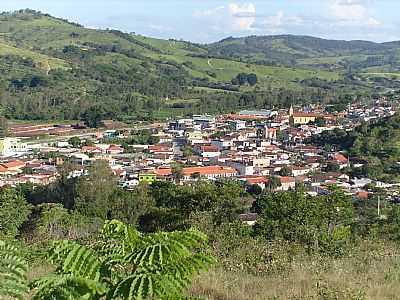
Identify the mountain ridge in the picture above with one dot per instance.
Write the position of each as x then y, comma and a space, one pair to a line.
53, 68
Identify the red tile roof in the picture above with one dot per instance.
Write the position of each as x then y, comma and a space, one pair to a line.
210, 170
287, 179
257, 180
209, 149
115, 148
363, 195
14, 164
90, 149
340, 158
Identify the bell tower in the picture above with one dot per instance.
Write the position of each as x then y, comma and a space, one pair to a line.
291, 111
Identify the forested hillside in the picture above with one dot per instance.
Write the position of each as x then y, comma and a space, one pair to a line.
305, 50
376, 144
55, 69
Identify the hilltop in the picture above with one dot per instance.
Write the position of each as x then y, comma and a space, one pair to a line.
310, 51
55, 69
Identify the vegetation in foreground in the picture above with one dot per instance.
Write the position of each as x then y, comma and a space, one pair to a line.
302, 247
369, 271
121, 264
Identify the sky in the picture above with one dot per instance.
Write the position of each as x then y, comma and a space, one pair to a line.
205, 21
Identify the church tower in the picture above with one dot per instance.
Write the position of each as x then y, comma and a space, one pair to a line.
291, 111
291, 118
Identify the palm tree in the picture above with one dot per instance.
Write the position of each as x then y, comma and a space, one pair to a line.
123, 264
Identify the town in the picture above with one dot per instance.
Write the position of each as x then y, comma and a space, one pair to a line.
262, 149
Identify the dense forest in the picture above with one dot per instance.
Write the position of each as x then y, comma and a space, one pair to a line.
55, 69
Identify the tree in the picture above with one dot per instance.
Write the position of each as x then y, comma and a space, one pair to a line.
94, 191
321, 223
94, 116
252, 79
123, 264
129, 206
177, 173
3, 127
75, 141
255, 190
187, 151
320, 122
14, 211
242, 78
285, 171
273, 183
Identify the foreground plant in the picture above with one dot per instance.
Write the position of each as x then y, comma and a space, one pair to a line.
13, 268
123, 264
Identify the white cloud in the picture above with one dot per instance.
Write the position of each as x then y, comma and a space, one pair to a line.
344, 19
232, 17
242, 17
275, 20
352, 12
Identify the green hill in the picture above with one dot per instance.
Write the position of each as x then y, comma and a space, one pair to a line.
58, 69
305, 50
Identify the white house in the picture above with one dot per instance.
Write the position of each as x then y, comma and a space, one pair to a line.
12, 146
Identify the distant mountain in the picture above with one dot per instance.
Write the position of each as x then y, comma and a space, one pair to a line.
51, 68
306, 50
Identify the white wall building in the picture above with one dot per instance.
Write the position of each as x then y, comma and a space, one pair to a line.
12, 146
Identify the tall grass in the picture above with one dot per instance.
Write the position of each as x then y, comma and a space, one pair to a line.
369, 271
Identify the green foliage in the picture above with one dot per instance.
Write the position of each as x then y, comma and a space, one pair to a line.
220, 197
129, 206
285, 171
338, 138
94, 192
378, 144
14, 211
93, 116
75, 141
13, 269
144, 137
54, 69
320, 122
125, 265
319, 223
3, 127
243, 79
54, 222
375, 143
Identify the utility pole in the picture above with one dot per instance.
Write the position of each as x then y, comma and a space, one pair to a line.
379, 205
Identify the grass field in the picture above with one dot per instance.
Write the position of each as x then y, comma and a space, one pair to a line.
41, 60
225, 70
372, 273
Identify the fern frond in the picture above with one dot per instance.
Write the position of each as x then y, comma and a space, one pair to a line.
168, 261
124, 233
13, 269
75, 259
134, 287
160, 248
67, 287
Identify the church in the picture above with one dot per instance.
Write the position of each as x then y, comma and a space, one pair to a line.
301, 118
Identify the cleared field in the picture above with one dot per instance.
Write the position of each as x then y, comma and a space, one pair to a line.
42, 61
